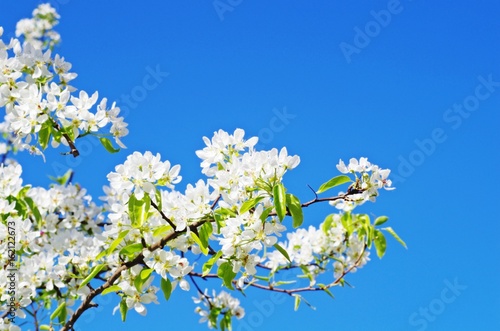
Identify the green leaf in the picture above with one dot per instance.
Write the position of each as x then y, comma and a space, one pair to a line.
91, 276
141, 278
380, 243
205, 231
335, 181
166, 287
69, 131
45, 327
158, 199
346, 220
225, 272
279, 200
249, 204
61, 309
381, 220
123, 309
23, 191
327, 224
282, 251
44, 135
265, 214
57, 135
108, 145
393, 233
225, 212
138, 209
297, 302
21, 206
62, 316
34, 209
117, 242
111, 289
326, 289
225, 322
210, 263
63, 179
295, 208
197, 240
131, 249
161, 230
265, 279
284, 282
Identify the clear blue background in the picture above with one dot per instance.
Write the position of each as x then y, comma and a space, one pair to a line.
232, 70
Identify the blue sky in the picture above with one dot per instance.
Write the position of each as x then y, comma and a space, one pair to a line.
412, 85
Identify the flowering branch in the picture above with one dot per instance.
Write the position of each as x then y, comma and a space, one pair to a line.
230, 222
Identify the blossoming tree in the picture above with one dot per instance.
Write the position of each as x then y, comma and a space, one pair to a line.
239, 226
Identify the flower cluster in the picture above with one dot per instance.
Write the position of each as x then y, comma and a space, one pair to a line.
35, 91
56, 237
222, 304
141, 173
38, 30
369, 178
317, 247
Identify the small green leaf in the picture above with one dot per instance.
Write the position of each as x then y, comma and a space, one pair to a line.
34, 209
297, 302
91, 276
138, 209
249, 204
265, 279
335, 181
59, 310
23, 191
108, 145
225, 272
166, 287
158, 199
327, 224
265, 214
282, 251
111, 289
131, 249
63, 180
205, 231
279, 200
381, 220
116, 242
380, 243
141, 278
45, 327
161, 230
197, 240
394, 234
326, 289
57, 135
295, 208
210, 263
44, 135
123, 309
145, 273
346, 220
284, 282
225, 322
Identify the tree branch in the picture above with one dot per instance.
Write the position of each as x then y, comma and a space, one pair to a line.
290, 291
